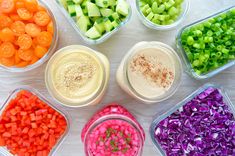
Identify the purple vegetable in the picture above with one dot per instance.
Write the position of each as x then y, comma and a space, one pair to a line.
205, 126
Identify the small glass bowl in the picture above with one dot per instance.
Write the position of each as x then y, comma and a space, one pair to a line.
123, 78
182, 103
86, 39
184, 56
3, 150
149, 24
50, 50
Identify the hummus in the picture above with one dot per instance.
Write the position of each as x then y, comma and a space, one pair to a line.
75, 76
151, 71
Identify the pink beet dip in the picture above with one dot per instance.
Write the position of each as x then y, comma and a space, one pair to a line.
113, 131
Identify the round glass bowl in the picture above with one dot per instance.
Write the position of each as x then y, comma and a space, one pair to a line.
47, 55
117, 128
77, 76
149, 24
142, 84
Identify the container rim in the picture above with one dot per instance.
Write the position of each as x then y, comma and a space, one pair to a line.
185, 57
13, 93
82, 35
113, 117
49, 52
182, 103
152, 25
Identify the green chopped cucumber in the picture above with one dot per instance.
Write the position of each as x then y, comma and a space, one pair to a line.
78, 10
108, 25
122, 7
100, 26
72, 10
77, 1
93, 10
105, 12
96, 17
83, 22
93, 33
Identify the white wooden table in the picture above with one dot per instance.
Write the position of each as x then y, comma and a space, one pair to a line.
115, 48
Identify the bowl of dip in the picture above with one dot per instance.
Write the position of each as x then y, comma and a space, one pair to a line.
113, 131
150, 72
77, 76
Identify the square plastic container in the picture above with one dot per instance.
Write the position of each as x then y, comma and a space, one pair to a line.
86, 39
182, 103
184, 56
3, 150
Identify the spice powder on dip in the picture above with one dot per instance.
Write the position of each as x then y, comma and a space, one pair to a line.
151, 71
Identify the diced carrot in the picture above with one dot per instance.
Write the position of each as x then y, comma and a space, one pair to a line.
34, 60
41, 18
7, 50
50, 28
24, 13
32, 29
24, 41
31, 5
7, 35
5, 21
17, 58
44, 39
7, 6
2, 142
40, 51
15, 17
22, 64
18, 27
7, 61
19, 4
26, 55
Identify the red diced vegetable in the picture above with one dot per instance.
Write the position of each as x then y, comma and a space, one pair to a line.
30, 127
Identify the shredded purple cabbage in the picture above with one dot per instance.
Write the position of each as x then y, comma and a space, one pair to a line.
205, 126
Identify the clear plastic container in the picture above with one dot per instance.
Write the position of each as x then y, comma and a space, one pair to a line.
3, 150
90, 98
149, 24
112, 112
184, 56
122, 75
182, 103
86, 39
51, 50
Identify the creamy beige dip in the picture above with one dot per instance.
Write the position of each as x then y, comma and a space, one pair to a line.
76, 76
151, 71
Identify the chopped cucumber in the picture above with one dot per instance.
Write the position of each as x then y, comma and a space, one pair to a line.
70, 2
100, 27
83, 23
93, 10
122, 7
93, 33
72, 10
115, 24
77, 1
106, 12
115, 15
108, 25
79, 12
102, 3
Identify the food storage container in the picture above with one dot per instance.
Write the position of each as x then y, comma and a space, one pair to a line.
50, 51
185, 58
77, 87
123, 76
3, 150
149, 24
85, 38
179, 107
115, 114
